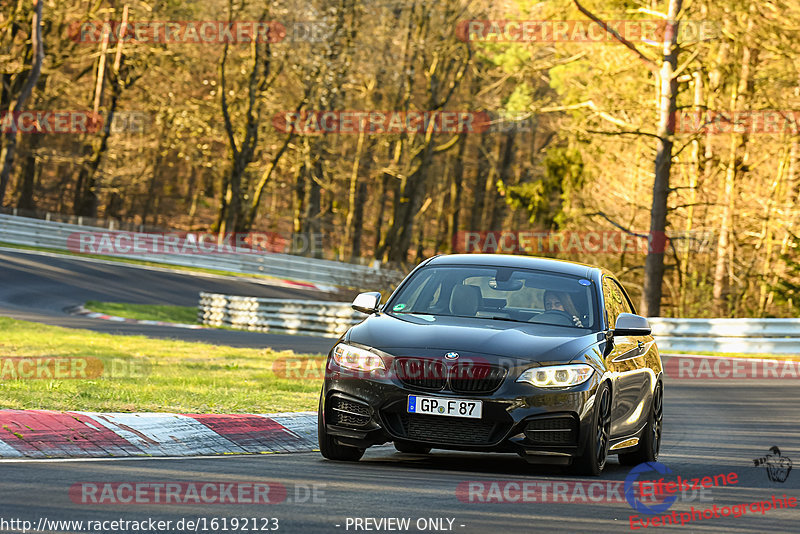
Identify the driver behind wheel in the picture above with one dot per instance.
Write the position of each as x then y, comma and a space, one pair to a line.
559, 301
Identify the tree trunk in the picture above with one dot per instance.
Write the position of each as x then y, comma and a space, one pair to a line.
768, 230
299, 203
505, 173
30, 174
153, 183
791, 201
400, 233
358, 221
490, 190
259, 190
383, 189
348, 242
234, 213
654, 264
87, 175
9, 148
695, 170
737, 158
456, 185
114, 206
233, 194
314, 207
479, 185
442, 200
419, 255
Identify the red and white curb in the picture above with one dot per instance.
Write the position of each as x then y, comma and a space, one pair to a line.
50, 434
80, 310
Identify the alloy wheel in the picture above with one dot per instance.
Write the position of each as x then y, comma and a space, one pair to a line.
658, 417
603, 427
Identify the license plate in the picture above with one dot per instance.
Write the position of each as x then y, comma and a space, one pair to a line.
444, 406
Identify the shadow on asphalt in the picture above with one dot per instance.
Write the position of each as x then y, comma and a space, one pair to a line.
480, 463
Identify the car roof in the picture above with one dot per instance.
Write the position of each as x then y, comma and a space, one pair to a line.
522, 262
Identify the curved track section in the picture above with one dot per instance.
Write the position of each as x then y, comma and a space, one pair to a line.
712, 428
38, 287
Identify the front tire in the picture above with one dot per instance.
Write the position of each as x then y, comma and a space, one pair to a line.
328, 446
595, 453
650, 444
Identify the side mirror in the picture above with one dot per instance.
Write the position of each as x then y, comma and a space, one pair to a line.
367, 302
629, 324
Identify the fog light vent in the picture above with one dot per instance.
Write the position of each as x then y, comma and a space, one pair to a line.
345, 412
561, 430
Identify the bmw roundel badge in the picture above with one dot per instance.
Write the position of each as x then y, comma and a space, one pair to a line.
451, 356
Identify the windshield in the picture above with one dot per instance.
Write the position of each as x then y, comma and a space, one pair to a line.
498, 293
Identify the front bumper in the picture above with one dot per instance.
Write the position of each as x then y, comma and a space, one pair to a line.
542, 425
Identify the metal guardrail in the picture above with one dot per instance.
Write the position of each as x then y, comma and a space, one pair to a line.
110, 223
331, 319
769, 336
749, 336
54, 235
760, 328
279, 316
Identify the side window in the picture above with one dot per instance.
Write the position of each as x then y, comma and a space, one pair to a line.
626, 305
614, 300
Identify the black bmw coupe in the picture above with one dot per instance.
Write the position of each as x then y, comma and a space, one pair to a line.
496, 353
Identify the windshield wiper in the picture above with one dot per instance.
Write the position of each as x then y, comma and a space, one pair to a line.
505, 319
553, 324
404, 312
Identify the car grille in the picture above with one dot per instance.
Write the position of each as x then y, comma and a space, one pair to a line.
560, 430
464, 377
421, 373
471, 378
345, 412
446, 430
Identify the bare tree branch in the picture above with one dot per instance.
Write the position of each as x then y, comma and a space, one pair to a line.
649, 63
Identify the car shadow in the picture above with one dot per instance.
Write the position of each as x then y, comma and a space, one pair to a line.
481, 463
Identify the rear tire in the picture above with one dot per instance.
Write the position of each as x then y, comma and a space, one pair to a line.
328, 446
595, 453
650, 443
411, 448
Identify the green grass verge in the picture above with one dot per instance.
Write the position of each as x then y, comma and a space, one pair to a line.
150, 375
151, 312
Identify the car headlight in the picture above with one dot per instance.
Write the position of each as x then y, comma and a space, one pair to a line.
358, 359
557, 376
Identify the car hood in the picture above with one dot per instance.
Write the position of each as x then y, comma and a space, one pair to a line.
407, 333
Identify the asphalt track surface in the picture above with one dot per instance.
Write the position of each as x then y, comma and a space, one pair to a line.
38, 287
712, 427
